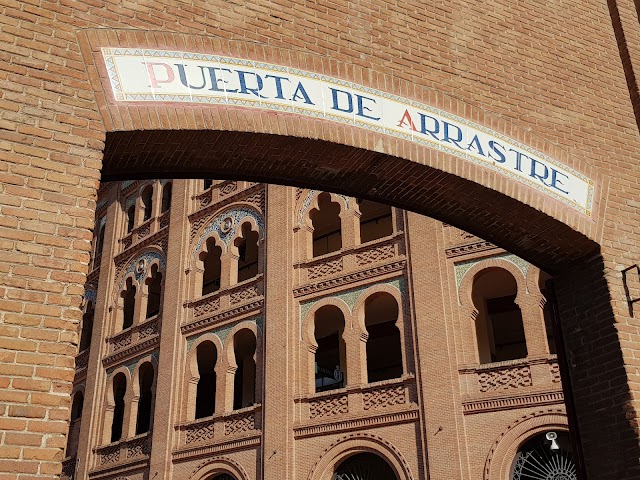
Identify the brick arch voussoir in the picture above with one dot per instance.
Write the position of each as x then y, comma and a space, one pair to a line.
466, 285
359, 306
218, 465
152, 141
308, 323
349, 445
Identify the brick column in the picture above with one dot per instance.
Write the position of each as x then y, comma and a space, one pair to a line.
435, 359
93, 425
169, 378
280, 368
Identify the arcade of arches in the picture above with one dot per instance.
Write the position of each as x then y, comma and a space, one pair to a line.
209, 324
366, 360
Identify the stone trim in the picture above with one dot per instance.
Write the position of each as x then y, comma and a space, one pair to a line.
346, 425
511, 402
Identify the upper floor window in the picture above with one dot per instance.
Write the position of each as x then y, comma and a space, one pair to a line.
327, 226
87, 327
244, 384
384, 347
331, 354
166, 197
375, 221
154, 289
247, 253
147, 203
119, 391
131, 218
207, 357
145, 402
212, 263
100, 240
499, 325
129, 303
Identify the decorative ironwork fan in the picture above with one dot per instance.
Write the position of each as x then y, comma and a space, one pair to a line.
364, 466
544, 461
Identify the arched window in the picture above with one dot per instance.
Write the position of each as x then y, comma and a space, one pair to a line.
207, 356
129, 303
207, 183
212, 267
147, 203
545, 456
547, 311
100, 240
87, 327
384, 350
145, 407
375, 220
244, 384
74, 424
499, 324
364, 466
154, 289
166, 197
247, 253
119, 391
327, 227
222, 476
331, 353
131, 218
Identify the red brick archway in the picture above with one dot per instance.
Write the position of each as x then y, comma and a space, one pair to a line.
552, 76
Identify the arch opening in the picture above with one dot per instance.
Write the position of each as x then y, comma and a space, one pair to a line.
327, 226
154, 292
129, 304
364, 466
247, 246
330, 356
499, 325
384, 347
244, 384
207, 357
212, 262
145, 403
119, 391
376, 220
543, 457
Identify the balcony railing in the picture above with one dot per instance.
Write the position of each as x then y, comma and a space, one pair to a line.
148, 228
372, 253
359, 400
124, 451
237, 296
511, 376
220, 427
82, 359
135, 334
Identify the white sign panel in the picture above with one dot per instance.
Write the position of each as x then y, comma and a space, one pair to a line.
141, 75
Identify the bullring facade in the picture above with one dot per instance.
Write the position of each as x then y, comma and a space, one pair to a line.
377, 388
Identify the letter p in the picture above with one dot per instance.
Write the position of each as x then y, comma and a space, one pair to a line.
153, 77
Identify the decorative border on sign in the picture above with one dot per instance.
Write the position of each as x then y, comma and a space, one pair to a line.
120, 95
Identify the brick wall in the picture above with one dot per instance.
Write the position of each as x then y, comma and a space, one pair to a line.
550, 75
